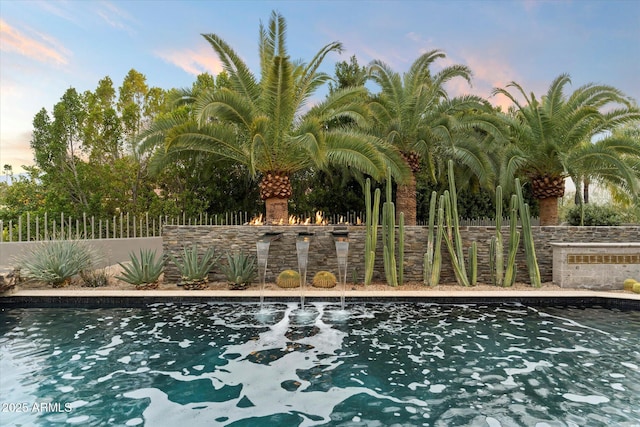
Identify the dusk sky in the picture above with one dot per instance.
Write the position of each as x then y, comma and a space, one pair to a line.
49, 46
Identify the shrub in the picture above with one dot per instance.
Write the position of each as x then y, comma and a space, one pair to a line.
94, 278
593, 215
194, 270
240, 270
55, 262
143, 270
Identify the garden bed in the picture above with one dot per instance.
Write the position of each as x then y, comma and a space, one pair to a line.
115, 284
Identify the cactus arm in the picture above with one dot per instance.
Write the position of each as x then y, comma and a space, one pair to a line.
454, 215
527, 236
437, 250
401, 250
498, 250
473, 263
429, 255
371, 223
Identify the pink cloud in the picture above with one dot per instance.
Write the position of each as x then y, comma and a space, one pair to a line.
41, 47
16, 151
490, 71
193, 61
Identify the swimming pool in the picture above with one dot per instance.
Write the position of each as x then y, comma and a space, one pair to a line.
377, 365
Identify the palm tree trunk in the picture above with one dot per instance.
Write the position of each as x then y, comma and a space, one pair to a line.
406, 201
548, 211
585, 190
277, 210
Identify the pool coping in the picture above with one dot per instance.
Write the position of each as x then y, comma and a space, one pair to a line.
92, 298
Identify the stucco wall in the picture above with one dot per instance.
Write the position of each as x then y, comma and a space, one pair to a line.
111, 251
322, 255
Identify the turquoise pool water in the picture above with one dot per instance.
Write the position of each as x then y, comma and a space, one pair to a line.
377, 365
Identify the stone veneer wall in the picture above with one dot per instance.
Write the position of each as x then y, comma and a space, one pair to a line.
322, 254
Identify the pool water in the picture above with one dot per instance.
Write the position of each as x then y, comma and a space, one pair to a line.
374, 365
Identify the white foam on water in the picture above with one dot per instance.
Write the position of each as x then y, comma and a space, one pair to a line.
69, 376
260, 381
616, 375
75, 357
198, 367
437, 388
492, 422
65, 389
512, 336
125, 359
554, 350
414, 385
529, 367
618, 386
78, 420
630, 365
591, 399
78, 404
116, 340
56, 352
185, 343
134, 422
570, 322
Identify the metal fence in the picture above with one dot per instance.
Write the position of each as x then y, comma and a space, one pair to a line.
34, 228
30, 227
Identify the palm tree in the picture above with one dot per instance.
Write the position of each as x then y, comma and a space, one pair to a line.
552, 140
414, 113
262, 123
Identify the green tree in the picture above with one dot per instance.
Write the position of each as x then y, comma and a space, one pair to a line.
348, 74
262, 123
553, 138
103, 129
139, 105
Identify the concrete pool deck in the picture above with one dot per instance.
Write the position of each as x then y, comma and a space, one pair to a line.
112, 298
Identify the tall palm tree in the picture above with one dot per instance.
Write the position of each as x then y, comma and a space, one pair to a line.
414, 113
266, 124
552, 140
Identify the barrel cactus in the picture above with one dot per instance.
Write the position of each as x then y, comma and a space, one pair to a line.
288, 279
628, 284
324, 279
636, 288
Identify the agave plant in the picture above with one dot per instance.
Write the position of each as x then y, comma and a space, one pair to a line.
240, 270
194, 270
144, 269
55, 262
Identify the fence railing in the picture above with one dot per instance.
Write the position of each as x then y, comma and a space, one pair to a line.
30, 227
34, 228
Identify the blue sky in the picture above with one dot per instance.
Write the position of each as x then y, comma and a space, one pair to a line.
49, 46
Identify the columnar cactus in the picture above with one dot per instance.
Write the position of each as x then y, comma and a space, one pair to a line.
497, 243
473, 263
433, 256
371, 224
389, 237
452, 237
529, 248
514, 241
